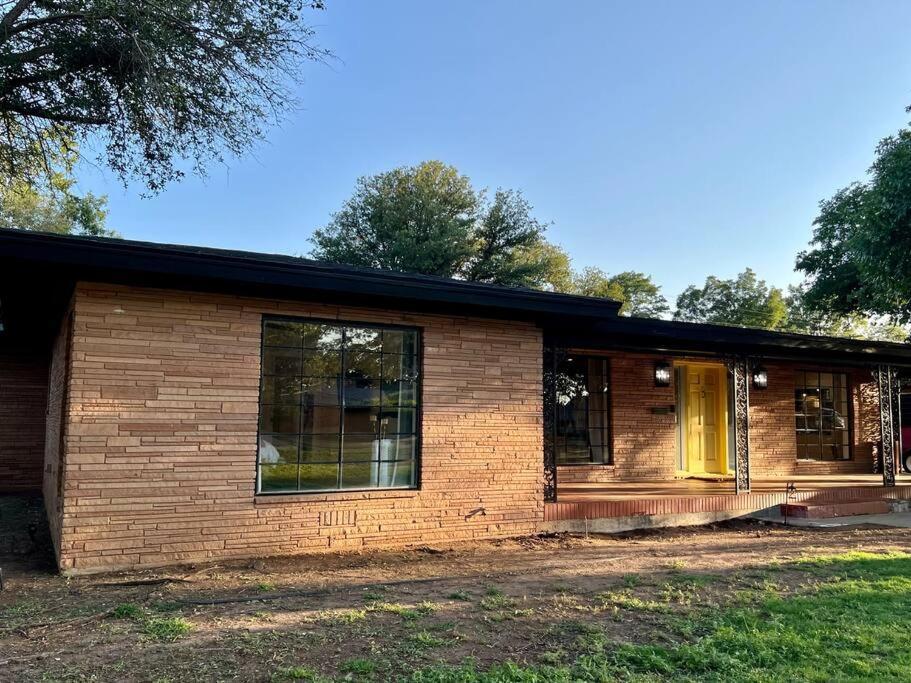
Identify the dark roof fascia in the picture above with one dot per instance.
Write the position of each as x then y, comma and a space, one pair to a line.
181, 267
681, 338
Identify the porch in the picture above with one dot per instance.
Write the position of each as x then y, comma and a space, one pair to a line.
661, 423
623, 499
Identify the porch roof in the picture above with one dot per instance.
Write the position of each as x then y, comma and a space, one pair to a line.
683, 338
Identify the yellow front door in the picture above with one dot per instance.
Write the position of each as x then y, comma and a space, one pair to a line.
706, 442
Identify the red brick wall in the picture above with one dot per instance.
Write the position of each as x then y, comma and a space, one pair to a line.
161, 444
773, 441
773, 436
23, 399
645, 444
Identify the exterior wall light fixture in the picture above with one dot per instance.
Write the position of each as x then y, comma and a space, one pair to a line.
662, 374
760, 377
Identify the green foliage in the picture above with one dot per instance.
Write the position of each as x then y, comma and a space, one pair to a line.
127, 610
167, 629
745, 301
429, 219
640, 297
860, 255
555, 264
296, 673
425, 639
496, 600
154, 83
407, 613
804, 317
358, 666
52, 205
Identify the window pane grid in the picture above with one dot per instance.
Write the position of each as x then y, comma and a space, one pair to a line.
357, 427
822, 417
582, 423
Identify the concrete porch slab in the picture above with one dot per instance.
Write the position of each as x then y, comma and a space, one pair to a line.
900, 520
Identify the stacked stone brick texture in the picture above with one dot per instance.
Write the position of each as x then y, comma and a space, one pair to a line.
142, 421
161, 440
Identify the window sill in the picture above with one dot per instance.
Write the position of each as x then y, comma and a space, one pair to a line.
599, 465
332, 496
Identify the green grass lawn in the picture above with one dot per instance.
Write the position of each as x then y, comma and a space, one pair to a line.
854, 624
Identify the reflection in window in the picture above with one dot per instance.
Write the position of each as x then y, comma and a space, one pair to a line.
821, 412
338, 407
582, 410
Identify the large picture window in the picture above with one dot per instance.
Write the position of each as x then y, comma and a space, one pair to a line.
582, 404
822, 414
338, 407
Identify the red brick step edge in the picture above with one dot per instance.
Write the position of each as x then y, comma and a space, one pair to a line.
867, 507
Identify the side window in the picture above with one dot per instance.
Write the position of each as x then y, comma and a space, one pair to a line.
822, 415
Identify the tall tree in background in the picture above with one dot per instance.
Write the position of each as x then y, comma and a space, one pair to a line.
860, 255
746, 301
53, 206
429, 219
806, 319
155, 84
639, 296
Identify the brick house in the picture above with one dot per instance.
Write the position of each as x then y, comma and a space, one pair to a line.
177, 404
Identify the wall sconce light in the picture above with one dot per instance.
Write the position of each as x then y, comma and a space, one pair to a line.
662, 374
760, 377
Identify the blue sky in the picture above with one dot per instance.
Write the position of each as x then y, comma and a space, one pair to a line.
679, 139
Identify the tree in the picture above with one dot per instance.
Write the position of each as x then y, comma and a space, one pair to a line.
53, 206
59, 210
429, 219
807, 320
860, 255
154, 83
555, 263
746, 301
640, 297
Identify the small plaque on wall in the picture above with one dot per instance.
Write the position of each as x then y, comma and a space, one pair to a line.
663, 410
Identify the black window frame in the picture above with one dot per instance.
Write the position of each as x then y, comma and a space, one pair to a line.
418, 407
848, 416
608, 412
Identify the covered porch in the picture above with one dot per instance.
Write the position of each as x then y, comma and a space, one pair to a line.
706, 422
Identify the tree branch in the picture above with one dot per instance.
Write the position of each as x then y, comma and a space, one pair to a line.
29, 55
51, 115
41, 21
14, 13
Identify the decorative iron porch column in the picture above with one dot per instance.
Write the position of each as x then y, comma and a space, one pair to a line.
740, 370
550, 423
888, 389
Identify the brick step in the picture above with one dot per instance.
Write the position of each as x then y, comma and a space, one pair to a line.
861, 507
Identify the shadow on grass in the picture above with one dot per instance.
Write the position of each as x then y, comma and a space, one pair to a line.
850, 625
